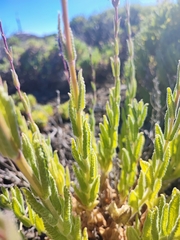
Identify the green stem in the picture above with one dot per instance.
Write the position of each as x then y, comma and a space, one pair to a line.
24, 167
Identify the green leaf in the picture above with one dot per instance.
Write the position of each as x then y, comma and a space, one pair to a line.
81, 179
144, 165
161, 203
54, 195
76, 155
29, 153
174, 206
132, 234
81, 195
147, 228
67, 215
163, 168
39, 224
19, 198
164, 220
141, 185
170, 103
126, 161
112, 66
133, 200
155, 224
9, 113
94, 189
139, 146
81, 99
93, 166
158, 147
156, 188
142, 116
166, 127
76, 228
5, 192
159, 132
178, 76
42, 168
53, 232
72, 115
39, 208
7, 147
4, 202
19, 214
176, 127
86, 139
73, 45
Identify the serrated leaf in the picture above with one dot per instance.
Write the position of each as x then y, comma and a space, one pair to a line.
176, 127
174, 205
161, 203
93, 166
142, 116
68, 178
110, 114
139, 146
163, 168
67, 215
155, 224
104, 137
166, 125
81, 98
86, 139
38, 222
126, 161
29, 153
94, 189
39, 208
159, 132
72, 115
147, 228
42, 168
164, 220
76, 155
31, 214
81, 179
158, 148
81, 195
53, 232
156, 188
76, 228
54, 195
19, 198
170, 103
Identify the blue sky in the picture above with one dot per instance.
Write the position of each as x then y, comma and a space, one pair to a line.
40, 16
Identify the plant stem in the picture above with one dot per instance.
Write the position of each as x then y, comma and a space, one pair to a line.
71, 61
26, 170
